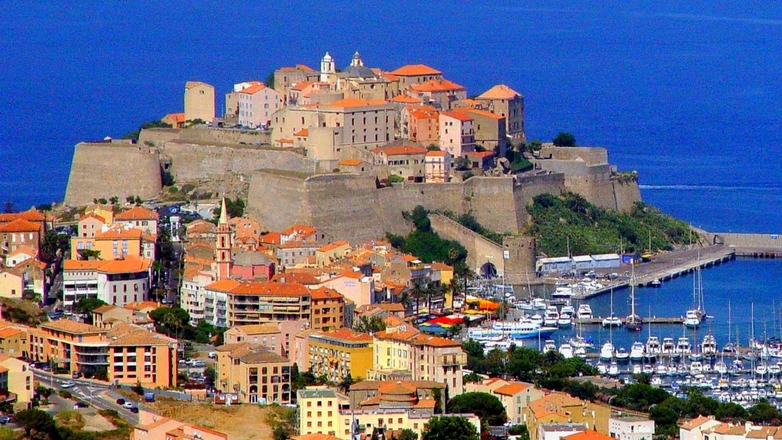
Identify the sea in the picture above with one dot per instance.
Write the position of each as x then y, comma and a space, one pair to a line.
686, 93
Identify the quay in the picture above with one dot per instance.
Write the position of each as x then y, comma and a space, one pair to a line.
646, 320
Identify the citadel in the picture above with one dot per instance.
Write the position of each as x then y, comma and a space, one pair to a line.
347, 151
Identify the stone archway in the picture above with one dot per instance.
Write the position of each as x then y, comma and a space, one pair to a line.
489, 270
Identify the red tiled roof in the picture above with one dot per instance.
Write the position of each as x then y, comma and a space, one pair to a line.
137, 213
20, 225
460, 114
415, 70
436, 85
400, 150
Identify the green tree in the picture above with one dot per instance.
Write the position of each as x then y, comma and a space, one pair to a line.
432, 147
170, 320
665, 419
406, 434
764, 413
89, 254
520, 430
564, 139
369, 324
269, 81
731, 412
210, 374
86, 306
462, 163
450, 428
486, 406
37, 424
535, 145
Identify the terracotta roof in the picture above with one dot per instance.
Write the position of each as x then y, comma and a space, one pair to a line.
436, 85
460, 114
82, 265
436, 153
253, 89
511, 389
129, 264
299, 229
92, 215
481, 154
344, 334
262, 357
415, 70
694, 423
232, 287
301, 67
26, 250
176, 117
141, 336
140, 306
500, 91
398, 335
9, 331
325, 293
435, 341
353, 102
31, 215
422, 112
315, 436
303, 132
257, 329
65, 325
334, 245
440, 266
271, 238
295, 277
406, 99
400, 150
587, 435
350, 162
105, 308
20, 225
137, 213
119, 233
485, 113
302, 85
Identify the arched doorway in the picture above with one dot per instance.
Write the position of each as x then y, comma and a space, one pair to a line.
488, 270
253, 394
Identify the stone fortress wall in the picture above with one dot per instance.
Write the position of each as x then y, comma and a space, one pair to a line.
284, 186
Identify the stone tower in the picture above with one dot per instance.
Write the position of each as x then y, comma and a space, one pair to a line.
519, 254
327, 68
357, 61
223, 256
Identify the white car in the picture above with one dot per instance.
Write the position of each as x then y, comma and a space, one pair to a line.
128, 405
68, 384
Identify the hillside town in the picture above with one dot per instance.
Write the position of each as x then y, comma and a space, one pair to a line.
133, 306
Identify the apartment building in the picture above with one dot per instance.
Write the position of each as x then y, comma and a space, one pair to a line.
328, 309
138, 218
254, 373
229, 302
515, 396
138, 355
457, 132
340, 353
406, 161
199, 101
420, 123
439, 93
437, 166
253, 103
508, 103
116, 282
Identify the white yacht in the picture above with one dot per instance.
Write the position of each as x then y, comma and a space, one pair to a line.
709, 345
652, 346
567, 308
622, 355
539, 304
668, 346
761, 369
683, 346
692, 319
613, 369
550, 345
566, 350
637, 369
565, 320
551, 316
648, 369
637, 352
612, 321
581, 342
696, 368
584, 311
607, 352
562, 292
774, 369
721, 367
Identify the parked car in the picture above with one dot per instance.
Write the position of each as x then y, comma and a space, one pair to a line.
5, 419
149, 397
128, 405
80, 404
120, 401
76, 374
69, 384
212, 355
134, 410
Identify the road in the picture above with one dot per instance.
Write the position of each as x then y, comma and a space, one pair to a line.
97, 394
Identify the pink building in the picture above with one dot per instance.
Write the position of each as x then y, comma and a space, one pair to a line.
253, 266
156, 427
421, 123
439, 93
457, 132
253, 103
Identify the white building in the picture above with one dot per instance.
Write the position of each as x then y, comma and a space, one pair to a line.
115, 282
555, 431
254, 103
627, 427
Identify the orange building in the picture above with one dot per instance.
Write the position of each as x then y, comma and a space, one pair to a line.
328, 309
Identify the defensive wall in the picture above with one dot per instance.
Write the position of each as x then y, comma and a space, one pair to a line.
108, 169
746, 241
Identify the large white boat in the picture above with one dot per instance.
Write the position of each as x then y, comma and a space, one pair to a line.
637, 352
653, 346
607, 352
613, 369
669, 347
567, 308
581, 342
622, 355
551, 316
683, 346
709, 345
584, 311
566, 350
692, 319
549, 345
562, 292
612, 321
565, 320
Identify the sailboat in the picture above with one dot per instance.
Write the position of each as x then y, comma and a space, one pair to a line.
633, 321
693, 317
612, 321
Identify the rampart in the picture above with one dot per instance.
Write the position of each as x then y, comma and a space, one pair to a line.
105, 169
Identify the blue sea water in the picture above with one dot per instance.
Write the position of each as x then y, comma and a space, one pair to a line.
686, 93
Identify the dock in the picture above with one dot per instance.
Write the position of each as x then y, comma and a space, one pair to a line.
646, 320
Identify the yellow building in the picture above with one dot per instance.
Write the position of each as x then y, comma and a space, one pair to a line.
328, 309
11, 283
515, 396
254, 373
324, 411
558, 407
20, 378
13, 341
340, 353
328, 254
199, 101
125, 353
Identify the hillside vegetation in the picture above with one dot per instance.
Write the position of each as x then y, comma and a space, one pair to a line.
592, 230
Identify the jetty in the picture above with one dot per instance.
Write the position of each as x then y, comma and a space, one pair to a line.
646, 320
